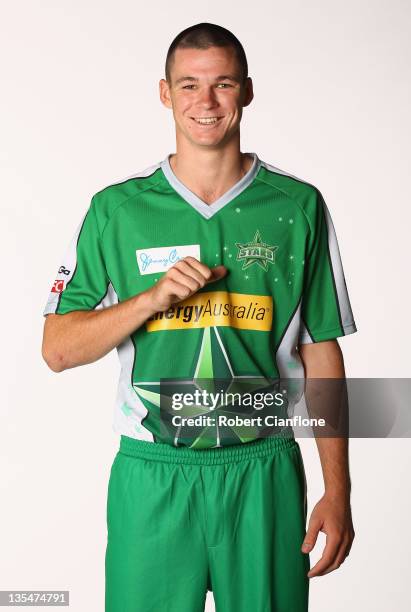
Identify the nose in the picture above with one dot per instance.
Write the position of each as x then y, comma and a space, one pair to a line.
207, 97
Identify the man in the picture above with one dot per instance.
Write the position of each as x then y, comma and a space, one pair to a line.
209, 266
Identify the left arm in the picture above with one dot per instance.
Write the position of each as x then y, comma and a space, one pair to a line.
332, 513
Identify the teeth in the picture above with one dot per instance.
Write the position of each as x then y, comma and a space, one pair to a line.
207, 120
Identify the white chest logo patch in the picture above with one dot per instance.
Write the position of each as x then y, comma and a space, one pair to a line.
161, 259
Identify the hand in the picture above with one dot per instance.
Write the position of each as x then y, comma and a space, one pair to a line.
332, 516
181, 281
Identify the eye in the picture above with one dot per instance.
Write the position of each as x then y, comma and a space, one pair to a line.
224, 85
188, 86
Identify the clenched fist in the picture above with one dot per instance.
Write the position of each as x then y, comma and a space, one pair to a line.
181, 281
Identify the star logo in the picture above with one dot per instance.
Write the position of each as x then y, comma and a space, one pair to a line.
256, 252
212, 372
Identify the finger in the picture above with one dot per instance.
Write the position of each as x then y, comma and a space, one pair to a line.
186, 268
350, 540
210, 274
349, 546
180, 292
310, 539
179, 277
197, 265
217, 273
328, 557
339, 559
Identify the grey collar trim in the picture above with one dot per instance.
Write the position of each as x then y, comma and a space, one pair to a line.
208, 210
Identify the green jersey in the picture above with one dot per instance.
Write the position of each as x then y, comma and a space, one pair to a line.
285, 286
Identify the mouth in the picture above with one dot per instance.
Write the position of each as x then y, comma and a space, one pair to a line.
206, 120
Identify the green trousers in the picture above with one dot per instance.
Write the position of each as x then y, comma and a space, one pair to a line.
182, 521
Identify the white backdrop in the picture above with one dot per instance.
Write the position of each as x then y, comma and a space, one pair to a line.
80, 110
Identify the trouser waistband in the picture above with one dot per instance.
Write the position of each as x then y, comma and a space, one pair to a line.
209, 456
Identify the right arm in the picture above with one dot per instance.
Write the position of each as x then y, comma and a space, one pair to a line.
81, 337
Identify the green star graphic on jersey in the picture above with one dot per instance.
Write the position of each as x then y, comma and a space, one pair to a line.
213, 372
257, 252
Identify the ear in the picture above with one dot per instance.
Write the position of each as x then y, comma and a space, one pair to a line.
165, 97
249, 91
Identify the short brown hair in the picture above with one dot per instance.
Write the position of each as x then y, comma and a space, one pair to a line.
203, 36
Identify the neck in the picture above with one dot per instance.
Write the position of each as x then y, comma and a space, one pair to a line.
207, 172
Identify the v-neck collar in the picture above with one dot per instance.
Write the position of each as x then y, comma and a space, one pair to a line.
208, 210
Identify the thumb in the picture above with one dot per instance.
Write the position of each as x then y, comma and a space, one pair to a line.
217, 273
311, 535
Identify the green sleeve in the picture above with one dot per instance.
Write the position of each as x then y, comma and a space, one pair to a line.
326, 310
82, 281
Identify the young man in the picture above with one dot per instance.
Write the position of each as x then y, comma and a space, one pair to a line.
209, 266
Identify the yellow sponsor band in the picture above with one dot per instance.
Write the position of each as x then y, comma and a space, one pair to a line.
219, 308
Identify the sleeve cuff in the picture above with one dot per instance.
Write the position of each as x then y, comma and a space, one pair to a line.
328, 334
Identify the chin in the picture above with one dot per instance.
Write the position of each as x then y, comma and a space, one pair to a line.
207, 143
208, 139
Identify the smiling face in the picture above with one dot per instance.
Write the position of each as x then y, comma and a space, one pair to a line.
207, 95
